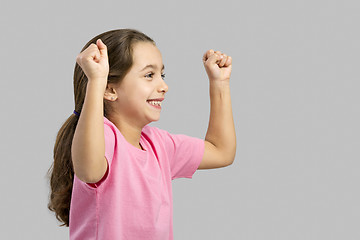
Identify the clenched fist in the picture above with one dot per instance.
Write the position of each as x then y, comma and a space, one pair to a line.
217, 65
94, 62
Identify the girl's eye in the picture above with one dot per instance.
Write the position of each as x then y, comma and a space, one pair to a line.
149, 75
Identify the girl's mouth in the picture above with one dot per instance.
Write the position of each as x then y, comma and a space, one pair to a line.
154, 103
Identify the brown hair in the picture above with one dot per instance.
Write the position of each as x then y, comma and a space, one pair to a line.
61, 173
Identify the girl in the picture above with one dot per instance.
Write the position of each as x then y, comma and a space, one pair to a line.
111, 176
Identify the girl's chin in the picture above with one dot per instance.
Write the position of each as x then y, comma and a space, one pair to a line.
153, 118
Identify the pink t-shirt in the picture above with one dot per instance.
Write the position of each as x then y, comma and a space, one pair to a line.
133, 201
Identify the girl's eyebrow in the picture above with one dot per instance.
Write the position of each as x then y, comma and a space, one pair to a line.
152, 66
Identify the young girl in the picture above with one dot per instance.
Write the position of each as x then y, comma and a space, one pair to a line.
111, 176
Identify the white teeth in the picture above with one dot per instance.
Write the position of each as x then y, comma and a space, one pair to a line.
158, 103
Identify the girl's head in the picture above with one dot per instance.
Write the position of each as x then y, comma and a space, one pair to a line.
137, 98
128, 49
129, 85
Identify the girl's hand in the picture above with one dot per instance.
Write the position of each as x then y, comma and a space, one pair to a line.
94, 61
217, 65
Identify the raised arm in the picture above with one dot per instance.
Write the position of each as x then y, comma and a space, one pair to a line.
220, 139
88, 145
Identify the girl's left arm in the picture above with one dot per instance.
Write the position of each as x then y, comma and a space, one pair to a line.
220, 139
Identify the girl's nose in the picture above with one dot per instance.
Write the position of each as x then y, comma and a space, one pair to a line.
163, 87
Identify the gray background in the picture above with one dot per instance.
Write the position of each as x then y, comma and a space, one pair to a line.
295, 94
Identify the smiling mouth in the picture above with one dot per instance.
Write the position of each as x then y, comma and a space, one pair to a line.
155, 103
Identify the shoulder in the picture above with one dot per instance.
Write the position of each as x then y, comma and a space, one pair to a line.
154, 133
170, 140
111, 133
109, 127
153, 130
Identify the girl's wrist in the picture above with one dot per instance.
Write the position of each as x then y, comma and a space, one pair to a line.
219, 83
96, 85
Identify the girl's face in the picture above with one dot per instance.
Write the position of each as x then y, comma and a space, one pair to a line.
142, 90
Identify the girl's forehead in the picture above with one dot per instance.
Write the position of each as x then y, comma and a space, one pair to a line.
145, 54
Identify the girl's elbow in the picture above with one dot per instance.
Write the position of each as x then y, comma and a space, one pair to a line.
232, 155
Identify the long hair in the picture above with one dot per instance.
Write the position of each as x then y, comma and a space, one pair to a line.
61, 173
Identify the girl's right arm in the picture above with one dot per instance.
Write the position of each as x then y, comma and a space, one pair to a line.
88, 145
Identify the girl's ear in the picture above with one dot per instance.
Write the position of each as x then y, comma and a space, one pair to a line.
110, 93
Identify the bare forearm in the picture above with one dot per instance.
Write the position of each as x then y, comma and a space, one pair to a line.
88, 146
221, 129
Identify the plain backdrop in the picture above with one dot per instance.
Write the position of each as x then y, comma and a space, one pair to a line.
295, 97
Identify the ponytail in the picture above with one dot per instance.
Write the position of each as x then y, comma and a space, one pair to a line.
62, 172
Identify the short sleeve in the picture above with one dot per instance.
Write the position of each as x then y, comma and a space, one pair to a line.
185, 154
